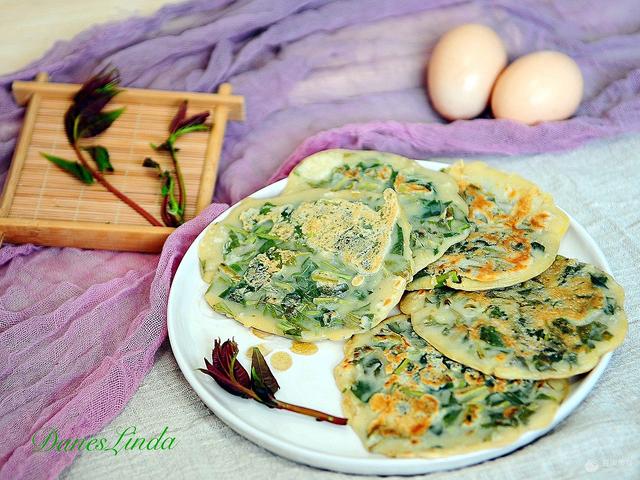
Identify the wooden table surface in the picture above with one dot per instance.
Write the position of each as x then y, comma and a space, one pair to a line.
28, 28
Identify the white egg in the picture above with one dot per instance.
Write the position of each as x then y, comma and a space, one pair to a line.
462, 70
538, 87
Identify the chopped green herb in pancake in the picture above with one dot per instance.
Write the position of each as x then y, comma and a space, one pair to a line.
405, 399
515, 236
555, 325
310, 265
429, 199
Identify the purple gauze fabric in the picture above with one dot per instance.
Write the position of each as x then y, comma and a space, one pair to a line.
78, 328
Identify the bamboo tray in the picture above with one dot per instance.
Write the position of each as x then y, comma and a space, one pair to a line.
44, 205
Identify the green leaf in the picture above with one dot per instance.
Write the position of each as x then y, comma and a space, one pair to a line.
90, 126
537, 246
266, 208
266, 246
411, 393
544, 396
598, 280
363, 390
395, 327
592, 332
100, 155
514, 397
563, 325
190, 128
490, 335
398, 246
495, 312
494, 398
432, 208
371, 365
441, 279
167, 182
610, 306
75, 168
451, 416
403, 366
570, 271
523, 415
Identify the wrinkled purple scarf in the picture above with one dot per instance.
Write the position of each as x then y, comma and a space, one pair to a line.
79, 329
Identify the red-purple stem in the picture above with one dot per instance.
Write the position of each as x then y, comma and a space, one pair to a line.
100, 178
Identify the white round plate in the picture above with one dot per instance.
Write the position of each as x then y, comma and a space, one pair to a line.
193, 326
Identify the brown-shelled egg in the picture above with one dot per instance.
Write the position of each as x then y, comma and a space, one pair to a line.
462, 70
538, 87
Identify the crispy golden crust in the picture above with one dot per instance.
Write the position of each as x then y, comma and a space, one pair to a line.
557, 325
405, 399
516, 236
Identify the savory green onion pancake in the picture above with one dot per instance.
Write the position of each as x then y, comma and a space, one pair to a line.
516, 233
405, 399
555, 325
309, 265
429, 199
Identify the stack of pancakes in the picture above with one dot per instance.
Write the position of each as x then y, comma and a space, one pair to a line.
494, 322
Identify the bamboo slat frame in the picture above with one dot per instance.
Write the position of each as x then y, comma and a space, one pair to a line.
139, 237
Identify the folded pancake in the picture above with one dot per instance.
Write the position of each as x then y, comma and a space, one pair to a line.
555, 325
516, 233
309, 265
405, 399
429, 199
